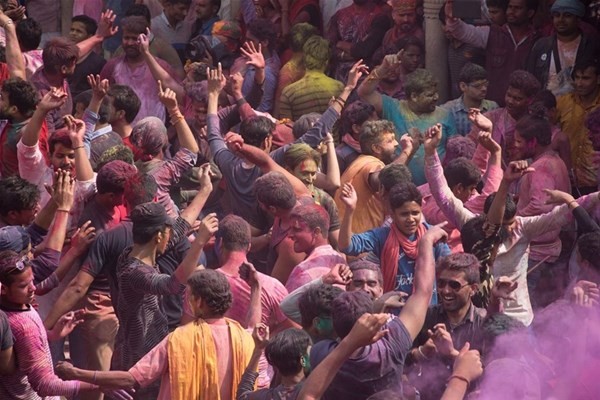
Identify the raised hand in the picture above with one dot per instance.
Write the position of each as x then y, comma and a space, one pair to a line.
167, 97
486, 141
479, 120
516, 169
249, 274
356, 72
205, 175
442, 340
339, 274
99, 86
436, 233
389, 64
468, 364
106, 24
367, 330
390, 300
585, 294
503, 287
144, 42
53, 99
408, 144
83, 238
76, 130
260, 334
432, 138
253, 55
236, 82
234, 141
63, 193
208, 227
349, 196
216, 80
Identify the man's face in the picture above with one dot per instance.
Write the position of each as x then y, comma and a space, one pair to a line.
367, 281
497, 15
404, 19
302, 235
78, 32
176, 12
454, 291
204, 10
522, 149
387, 147
585, 82
425, 101
565, 23
164, 241
464, 193
476, 90
21, 291
112, 112
411, 58
199, 109
5, 106
27, 216
517, 13
63, 158
407, 217
516, 102
306, 171
130, 44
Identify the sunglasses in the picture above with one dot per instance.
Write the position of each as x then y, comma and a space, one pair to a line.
19, 266
454, 285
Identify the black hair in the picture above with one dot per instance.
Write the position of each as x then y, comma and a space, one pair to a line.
255, 130
347, 308
588, 245
404, 192
29, 34
463, 171
17, 194
139, 10
510, 209
213, 288
90, 24
393, 174
285, 350
125, 98
316, 302
22, 95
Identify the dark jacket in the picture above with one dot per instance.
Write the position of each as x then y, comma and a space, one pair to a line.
538, 61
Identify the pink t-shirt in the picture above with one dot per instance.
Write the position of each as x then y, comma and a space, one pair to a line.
317, 264
272, 294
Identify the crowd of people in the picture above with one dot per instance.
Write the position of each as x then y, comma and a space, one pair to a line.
269, 200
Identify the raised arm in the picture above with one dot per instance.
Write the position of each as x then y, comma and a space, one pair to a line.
106, 29
368, 88
474, 35
452, 207
52, 100
158, 72
331, 181
14, 56
366, 331
249, 274
413, 313
260, 334
350, 199
77, 131
184, 134
207, 229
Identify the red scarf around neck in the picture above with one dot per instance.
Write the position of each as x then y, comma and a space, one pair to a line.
391, 253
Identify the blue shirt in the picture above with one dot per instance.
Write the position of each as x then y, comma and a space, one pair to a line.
460, 113
403, 118
374, 241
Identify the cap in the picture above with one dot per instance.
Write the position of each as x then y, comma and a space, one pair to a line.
149, 215
14, 238
574, 7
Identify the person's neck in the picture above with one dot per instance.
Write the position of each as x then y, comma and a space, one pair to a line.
519, 31
9, 305
471, 103
541, 150
55, 80
413, 107
590, 98
139, 59
122, 128
458, 316
293, 380
569, 37
101, 125
233, 260
146, 253
319, 241
171, 20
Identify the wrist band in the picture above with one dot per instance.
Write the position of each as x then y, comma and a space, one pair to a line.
94, 378
63, 210
421, 353
460, 378
340, 102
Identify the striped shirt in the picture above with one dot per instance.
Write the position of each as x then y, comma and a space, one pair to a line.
312, 93
34, 379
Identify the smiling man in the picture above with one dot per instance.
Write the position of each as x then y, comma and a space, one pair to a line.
309, 231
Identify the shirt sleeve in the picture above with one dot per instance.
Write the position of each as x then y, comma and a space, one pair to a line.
221, 155
492, 180
145, 279
6, 337
44, 264
289, 305
35, 363
152, 366
366, 241
474, 35
32, 165
452, 207
316, 134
